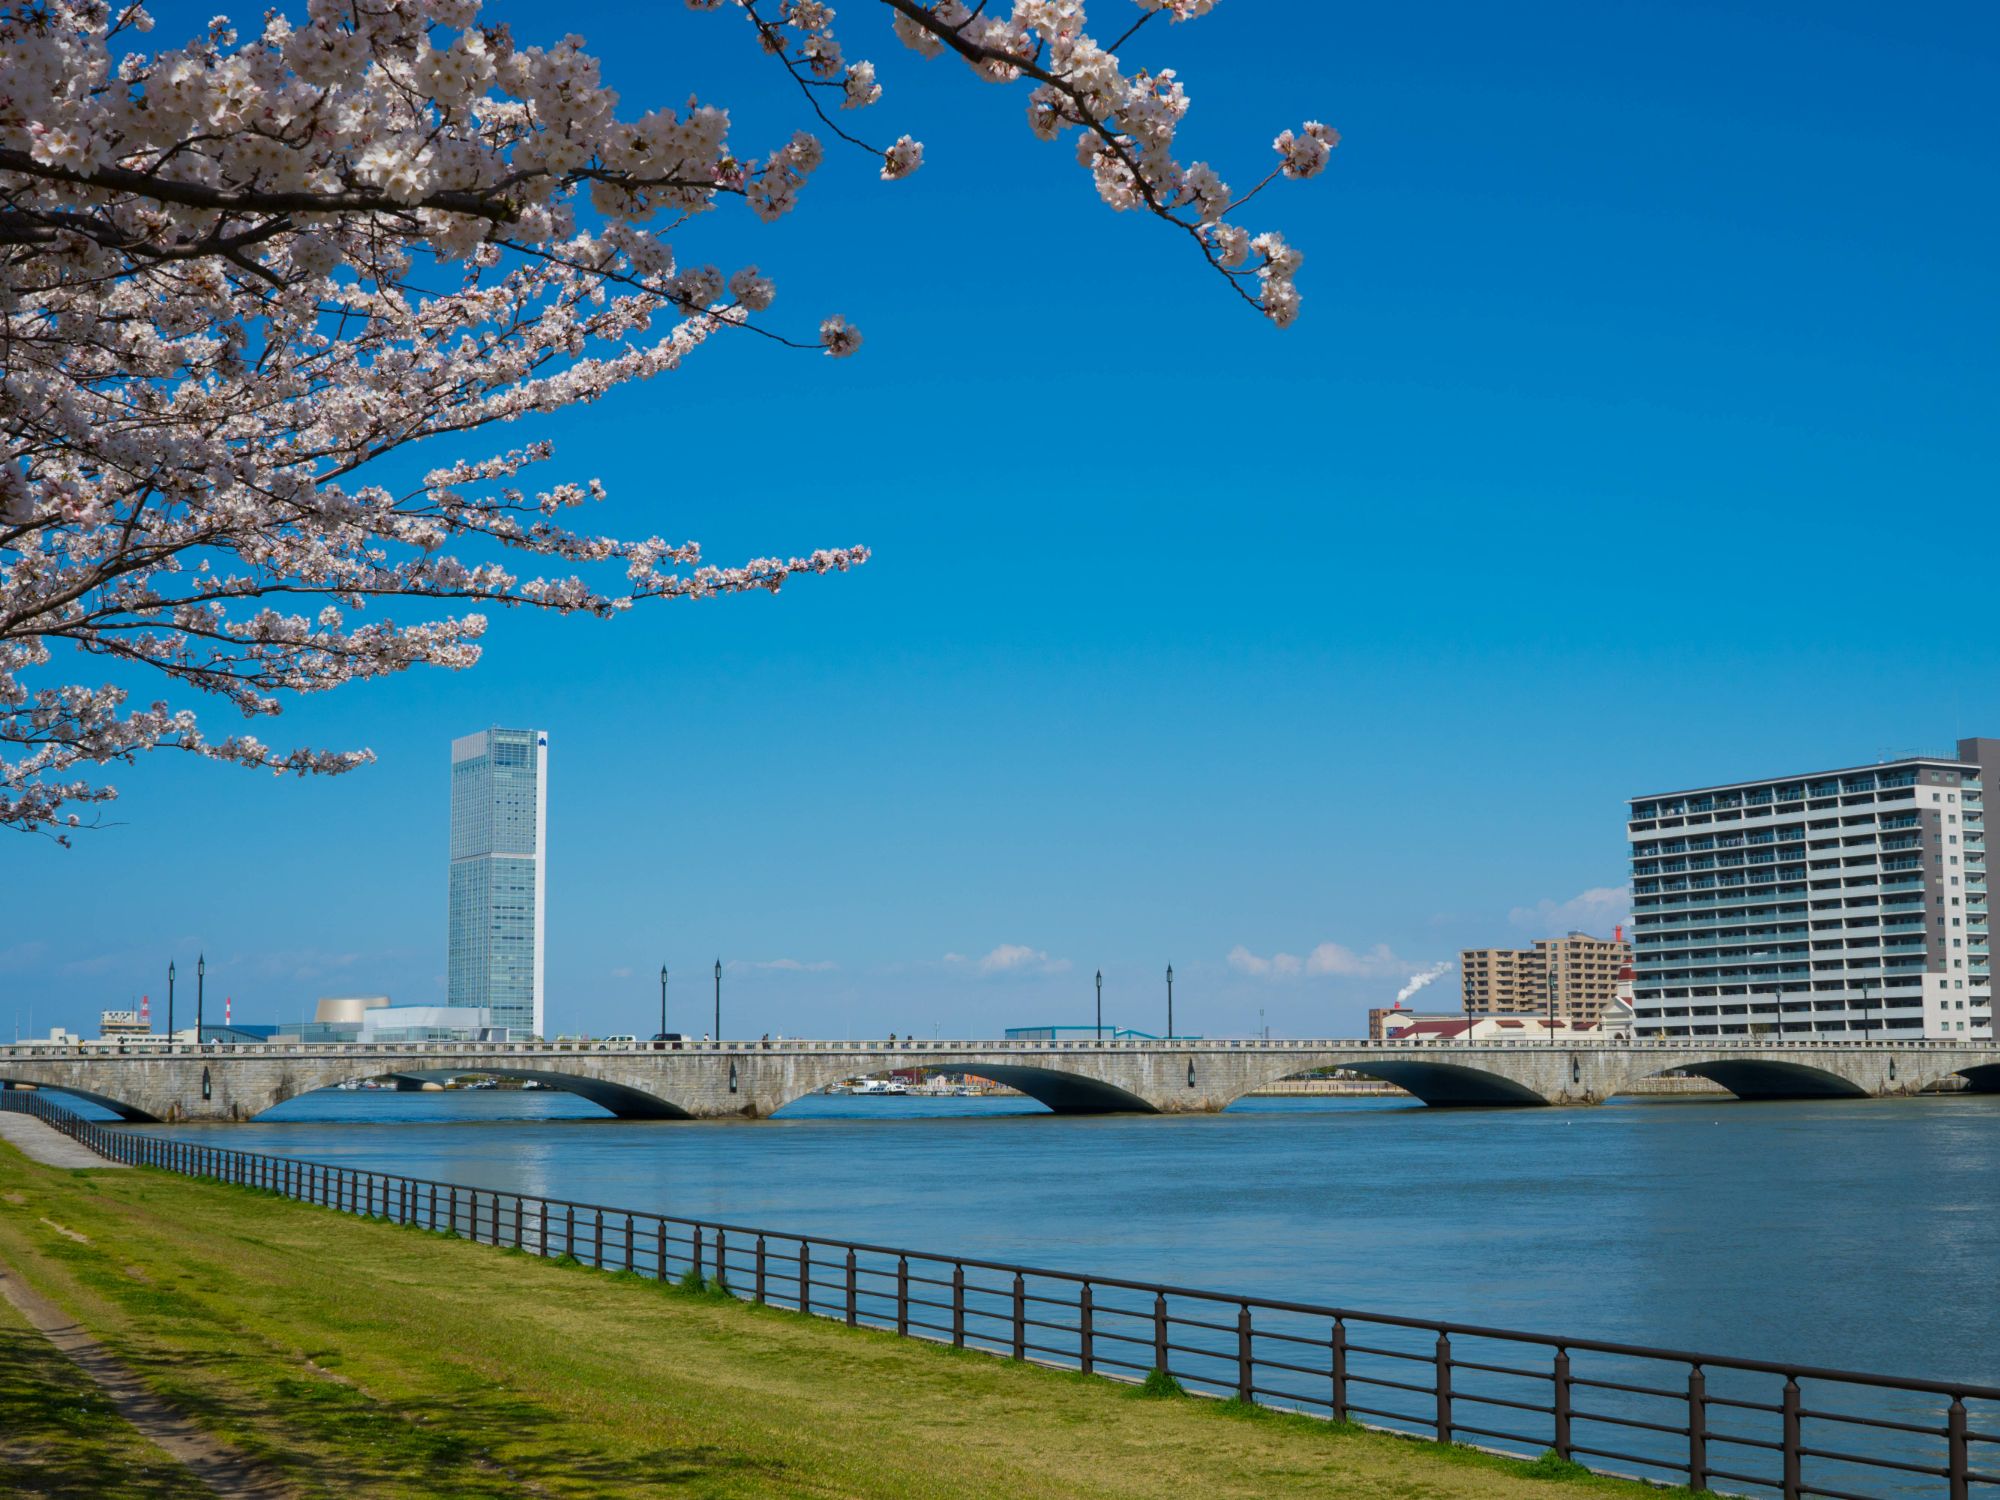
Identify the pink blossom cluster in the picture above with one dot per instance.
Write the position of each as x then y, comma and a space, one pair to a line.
239, 275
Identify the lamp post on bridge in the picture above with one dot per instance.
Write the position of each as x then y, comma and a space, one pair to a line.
663, 999
200, 987
170, 1002
1170, 1002
718, 1000
1100, 1005
1552, 1001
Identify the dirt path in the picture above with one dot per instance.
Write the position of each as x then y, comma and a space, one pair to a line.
221, 1469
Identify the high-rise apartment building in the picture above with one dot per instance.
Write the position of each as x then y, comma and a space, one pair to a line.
499, 832
1823, 904
1517, 981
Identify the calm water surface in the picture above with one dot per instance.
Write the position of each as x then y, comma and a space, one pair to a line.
1860, 1234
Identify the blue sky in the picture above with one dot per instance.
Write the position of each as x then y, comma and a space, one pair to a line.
1637, 433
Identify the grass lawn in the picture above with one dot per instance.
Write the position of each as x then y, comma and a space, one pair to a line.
58, 1435
359, 1358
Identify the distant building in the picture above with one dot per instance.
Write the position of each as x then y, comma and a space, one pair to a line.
1826, 903
115, 1025
1420, 1028
1084, 1034
372, 1019
430, 1023
499, 887
1575, 976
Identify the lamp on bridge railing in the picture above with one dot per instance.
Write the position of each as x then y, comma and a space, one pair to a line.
1170, 1002
663, 999
1100, 1005
718, 999
200, 987
170, 1002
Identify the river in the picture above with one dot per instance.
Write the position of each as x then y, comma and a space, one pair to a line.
1859, 1234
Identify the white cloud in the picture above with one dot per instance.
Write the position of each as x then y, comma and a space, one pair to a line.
1326, 959
1595, 911
1012, 958
621, 973
785, 965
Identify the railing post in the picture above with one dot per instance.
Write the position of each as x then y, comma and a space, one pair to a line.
1697, 1429
1020, 1317
628, 1245
1956, 1461
1792, 1404
597, 1253
569, 1230
696, 1252
432, 1222
1160, 1332
805, 1276
853, 1289
519, 1206
1246, 1387
542, 1239
1339, 1342
958, 1306
1562, 1395
1086, 1333
760, 1268
1444, 1387
903, 1296
454, 1209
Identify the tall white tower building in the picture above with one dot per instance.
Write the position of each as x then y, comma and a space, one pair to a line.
499, 831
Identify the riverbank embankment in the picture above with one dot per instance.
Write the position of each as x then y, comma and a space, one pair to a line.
358, 1358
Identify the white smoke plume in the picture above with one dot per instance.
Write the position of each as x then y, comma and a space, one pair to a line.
1418, 980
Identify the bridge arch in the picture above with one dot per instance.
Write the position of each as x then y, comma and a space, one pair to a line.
127, 1112
1064, 1093
1982, 1078
1768, 1078
622, 1100
1445, 1085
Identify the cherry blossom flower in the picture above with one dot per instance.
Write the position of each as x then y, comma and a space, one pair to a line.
244, 278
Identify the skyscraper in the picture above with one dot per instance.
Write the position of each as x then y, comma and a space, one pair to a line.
499, 831
1818, 905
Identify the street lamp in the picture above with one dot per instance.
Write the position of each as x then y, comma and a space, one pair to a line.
663, 999
1170, 1002
170, 1002
1100, 1005
200, 977
718, 999
1552, 1002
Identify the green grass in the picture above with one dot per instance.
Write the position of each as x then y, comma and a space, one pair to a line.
59, 1436
361, 1359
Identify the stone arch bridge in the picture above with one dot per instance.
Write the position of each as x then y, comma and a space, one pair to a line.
152, 1081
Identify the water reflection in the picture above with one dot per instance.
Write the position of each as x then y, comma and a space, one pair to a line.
1859, 1234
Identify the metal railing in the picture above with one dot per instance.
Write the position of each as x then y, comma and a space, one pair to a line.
1708, 1421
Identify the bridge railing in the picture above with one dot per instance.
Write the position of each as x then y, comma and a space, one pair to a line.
1703, 1420
98, 1048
